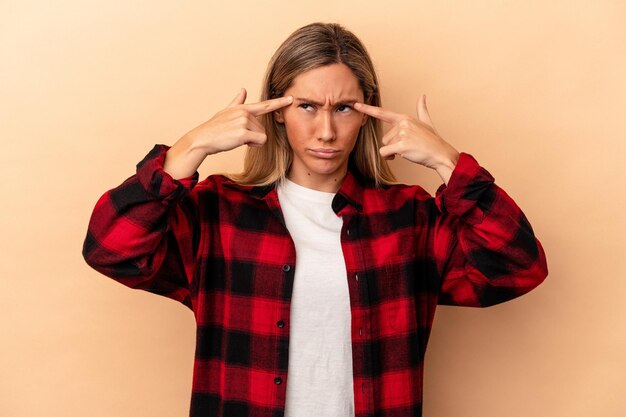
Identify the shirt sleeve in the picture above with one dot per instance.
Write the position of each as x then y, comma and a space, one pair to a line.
485, 249
144, 233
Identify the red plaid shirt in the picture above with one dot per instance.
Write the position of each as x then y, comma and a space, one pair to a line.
223, 250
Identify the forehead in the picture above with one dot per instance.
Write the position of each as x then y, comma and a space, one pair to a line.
332, 83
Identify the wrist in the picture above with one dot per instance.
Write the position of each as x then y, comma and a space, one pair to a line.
447, 165
189, 147
448, 161
183, 158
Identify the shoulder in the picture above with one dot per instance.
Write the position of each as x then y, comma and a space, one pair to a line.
222, 183
224, 188
394, 198
396, 191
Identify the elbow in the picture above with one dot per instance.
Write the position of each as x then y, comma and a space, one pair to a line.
519, 283
89, 252
511, 276
537, 271
111, 265
95, 255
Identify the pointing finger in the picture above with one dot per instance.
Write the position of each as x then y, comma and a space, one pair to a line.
378, 112
267, 106
240, 98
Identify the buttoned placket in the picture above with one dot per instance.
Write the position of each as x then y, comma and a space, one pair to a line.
357, 285
280, 323
282, 316
358, 292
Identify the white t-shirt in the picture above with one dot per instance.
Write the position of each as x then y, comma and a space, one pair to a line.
319, 377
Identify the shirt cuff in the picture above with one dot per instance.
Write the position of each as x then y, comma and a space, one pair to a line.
467, 184
159, 183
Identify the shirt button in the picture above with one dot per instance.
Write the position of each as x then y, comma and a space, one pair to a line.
280, 323
348, 232
286, 267
356, 276
278, 380
360, 331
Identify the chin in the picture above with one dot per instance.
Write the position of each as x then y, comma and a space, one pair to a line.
325, 169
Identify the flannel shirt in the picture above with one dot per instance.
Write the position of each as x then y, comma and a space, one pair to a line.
223, 250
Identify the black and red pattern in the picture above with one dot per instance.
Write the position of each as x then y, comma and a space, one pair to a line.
224, 251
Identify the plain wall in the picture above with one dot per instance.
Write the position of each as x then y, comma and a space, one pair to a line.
534, 90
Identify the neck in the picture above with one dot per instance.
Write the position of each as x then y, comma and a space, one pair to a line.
326, 183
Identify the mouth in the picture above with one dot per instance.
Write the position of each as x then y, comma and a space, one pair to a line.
326, 153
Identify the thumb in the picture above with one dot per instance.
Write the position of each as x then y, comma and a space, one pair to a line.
240, 98
422, 112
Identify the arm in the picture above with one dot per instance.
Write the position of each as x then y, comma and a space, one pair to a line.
145, 233
485, 249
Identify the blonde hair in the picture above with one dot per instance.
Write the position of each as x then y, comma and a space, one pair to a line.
312, 46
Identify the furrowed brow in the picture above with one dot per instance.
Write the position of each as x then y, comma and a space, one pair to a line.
349, 101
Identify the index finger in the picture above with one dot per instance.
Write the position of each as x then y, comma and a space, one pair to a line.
378, 112
267, 106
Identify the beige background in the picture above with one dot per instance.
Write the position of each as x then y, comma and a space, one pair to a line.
534, 90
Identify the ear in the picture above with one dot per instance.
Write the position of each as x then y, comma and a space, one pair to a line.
278, 116
364, 120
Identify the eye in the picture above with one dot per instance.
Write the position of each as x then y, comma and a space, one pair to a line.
344, 108
306, 106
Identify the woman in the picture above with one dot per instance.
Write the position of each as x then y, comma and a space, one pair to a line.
313, 278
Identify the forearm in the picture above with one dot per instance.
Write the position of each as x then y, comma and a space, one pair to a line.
492, 261
486, 248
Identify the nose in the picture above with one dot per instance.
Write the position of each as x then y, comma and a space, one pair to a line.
326, 127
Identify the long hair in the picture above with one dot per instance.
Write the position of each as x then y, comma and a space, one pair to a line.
312, 46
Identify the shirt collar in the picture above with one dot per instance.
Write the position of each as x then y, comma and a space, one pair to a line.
350, 192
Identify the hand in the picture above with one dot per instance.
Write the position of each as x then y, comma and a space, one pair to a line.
234, 126
414, 139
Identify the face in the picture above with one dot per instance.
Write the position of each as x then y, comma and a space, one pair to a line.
321, 125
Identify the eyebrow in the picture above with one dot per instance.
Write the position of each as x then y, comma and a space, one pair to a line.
317, 103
